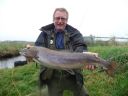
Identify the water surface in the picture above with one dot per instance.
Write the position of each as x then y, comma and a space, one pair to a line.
9, 63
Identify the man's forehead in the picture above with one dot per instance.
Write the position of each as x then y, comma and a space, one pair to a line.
60, 13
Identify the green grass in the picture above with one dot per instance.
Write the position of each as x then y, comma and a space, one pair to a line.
23, 81
99, 84
18, 81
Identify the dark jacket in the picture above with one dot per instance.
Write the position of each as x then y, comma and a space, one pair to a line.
73, 42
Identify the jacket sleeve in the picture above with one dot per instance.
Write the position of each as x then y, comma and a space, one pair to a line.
78, 43
40, 40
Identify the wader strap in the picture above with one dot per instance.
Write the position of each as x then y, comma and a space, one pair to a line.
52, 41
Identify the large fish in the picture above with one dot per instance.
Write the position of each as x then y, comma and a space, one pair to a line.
65, 60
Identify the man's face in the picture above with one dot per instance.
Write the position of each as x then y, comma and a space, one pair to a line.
60, 20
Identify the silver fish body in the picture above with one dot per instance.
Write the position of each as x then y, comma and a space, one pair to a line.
65, 60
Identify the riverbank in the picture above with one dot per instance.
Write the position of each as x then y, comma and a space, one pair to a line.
23, 81
11, 48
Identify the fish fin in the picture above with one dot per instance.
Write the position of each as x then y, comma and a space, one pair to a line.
36, 61
70, 71
111, 69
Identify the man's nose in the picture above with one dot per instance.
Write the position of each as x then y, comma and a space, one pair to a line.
60, 20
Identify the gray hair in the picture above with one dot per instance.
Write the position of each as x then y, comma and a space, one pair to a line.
61, 10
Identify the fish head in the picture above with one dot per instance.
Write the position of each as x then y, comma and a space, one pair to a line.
111, 68
29, 52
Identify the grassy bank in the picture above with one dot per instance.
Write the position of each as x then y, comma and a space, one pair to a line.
11, 48
23, 81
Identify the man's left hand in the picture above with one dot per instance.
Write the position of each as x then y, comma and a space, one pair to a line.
90, 67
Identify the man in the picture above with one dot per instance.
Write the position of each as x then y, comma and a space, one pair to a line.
62, 37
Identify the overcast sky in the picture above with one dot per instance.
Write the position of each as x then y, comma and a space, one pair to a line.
22, 19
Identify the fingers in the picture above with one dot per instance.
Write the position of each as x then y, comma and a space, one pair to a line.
28, 46
90, 67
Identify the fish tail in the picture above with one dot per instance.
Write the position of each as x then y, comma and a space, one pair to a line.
111, 69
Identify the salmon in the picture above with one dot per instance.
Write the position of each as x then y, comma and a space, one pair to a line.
66, 60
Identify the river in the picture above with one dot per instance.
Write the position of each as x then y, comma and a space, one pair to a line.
9, 63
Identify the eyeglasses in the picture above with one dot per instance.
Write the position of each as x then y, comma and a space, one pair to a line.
58, 18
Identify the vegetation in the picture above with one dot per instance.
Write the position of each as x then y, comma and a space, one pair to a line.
23, 81
11, 48
99, 84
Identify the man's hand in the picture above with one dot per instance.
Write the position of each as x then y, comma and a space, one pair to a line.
28, 46
91, 53
90, 66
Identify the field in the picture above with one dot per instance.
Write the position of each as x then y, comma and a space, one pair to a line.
23, 81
